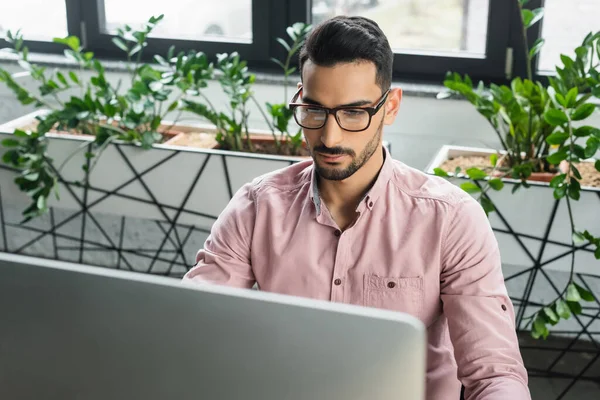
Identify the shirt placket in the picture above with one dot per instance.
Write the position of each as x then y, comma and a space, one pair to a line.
339, 281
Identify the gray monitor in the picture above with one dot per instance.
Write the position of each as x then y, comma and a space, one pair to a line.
69, 331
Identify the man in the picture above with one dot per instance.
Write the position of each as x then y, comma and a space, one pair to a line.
353, 225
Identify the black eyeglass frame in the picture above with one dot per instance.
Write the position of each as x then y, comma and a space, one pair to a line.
370, 110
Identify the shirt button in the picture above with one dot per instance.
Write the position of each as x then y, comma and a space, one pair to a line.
503, 307
337, 282
370, 204
337, 233
391, 285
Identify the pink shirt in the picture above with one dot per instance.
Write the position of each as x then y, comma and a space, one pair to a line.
420, 245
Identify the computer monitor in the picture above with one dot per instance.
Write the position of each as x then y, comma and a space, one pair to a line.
69, 331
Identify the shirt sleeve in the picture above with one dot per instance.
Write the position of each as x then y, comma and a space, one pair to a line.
480, 315
225, 258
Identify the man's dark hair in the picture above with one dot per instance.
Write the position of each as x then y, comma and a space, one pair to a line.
347, 39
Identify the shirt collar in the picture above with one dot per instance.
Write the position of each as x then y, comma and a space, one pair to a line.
371, 197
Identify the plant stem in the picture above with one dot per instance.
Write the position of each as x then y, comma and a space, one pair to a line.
571, 147
271, 127
525, 44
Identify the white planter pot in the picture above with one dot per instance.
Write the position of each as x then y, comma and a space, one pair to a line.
524, 218
164, 183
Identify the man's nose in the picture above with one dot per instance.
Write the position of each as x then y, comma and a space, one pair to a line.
332, 134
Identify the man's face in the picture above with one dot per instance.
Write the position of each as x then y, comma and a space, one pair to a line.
338, 153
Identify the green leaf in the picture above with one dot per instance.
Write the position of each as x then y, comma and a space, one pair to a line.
560, 192
578, 238
284, 44
571, 97
523, 2
476, 173
573, 293
10, 143
586, 130
20, 133
531, 17
173, 106
120, 44
526, 16
561, 99
557, 157
496, 184
597, 165
557, 138
73, 77
567, 61
597, 253
470, 187
494, 159
562, 309
487, 205
592, 146
557, 180
575, 307
41, 202
539, 327
574, 190
537, 46
584, 293
71, 41
555, 117
440, 172
583, 111
32, 177
552, 317
61, 78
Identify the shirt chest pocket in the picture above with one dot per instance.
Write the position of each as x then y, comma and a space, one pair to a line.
394, 293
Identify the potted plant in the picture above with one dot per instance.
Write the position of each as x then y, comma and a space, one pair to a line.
547, 148
60, 146
235, 79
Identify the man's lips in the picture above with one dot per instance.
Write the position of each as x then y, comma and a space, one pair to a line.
331, 157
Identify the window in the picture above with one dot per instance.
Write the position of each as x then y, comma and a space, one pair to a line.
418, 25
565, 25
184, 19
429, 37
49, 20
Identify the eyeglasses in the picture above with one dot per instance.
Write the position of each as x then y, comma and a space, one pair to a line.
352, 119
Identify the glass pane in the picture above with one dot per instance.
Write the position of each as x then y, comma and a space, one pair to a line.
419, 25
38, 20
564, 26
185, 19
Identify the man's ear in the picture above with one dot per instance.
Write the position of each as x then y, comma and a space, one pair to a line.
392, 105
299, 85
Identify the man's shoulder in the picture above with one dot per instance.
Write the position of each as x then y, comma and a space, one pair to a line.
284, 179
420, 185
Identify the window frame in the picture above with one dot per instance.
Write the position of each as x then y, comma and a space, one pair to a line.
429, 67
74, 27
270, 18
101, 44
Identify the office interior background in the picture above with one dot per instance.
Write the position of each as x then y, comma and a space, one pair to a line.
146, 203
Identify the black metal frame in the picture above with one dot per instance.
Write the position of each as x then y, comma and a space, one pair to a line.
271, 18
566, 347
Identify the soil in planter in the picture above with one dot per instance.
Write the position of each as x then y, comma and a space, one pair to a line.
261, 144
32, 126
265, 146
589, 175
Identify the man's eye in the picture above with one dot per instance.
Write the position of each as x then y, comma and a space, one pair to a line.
353, 113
